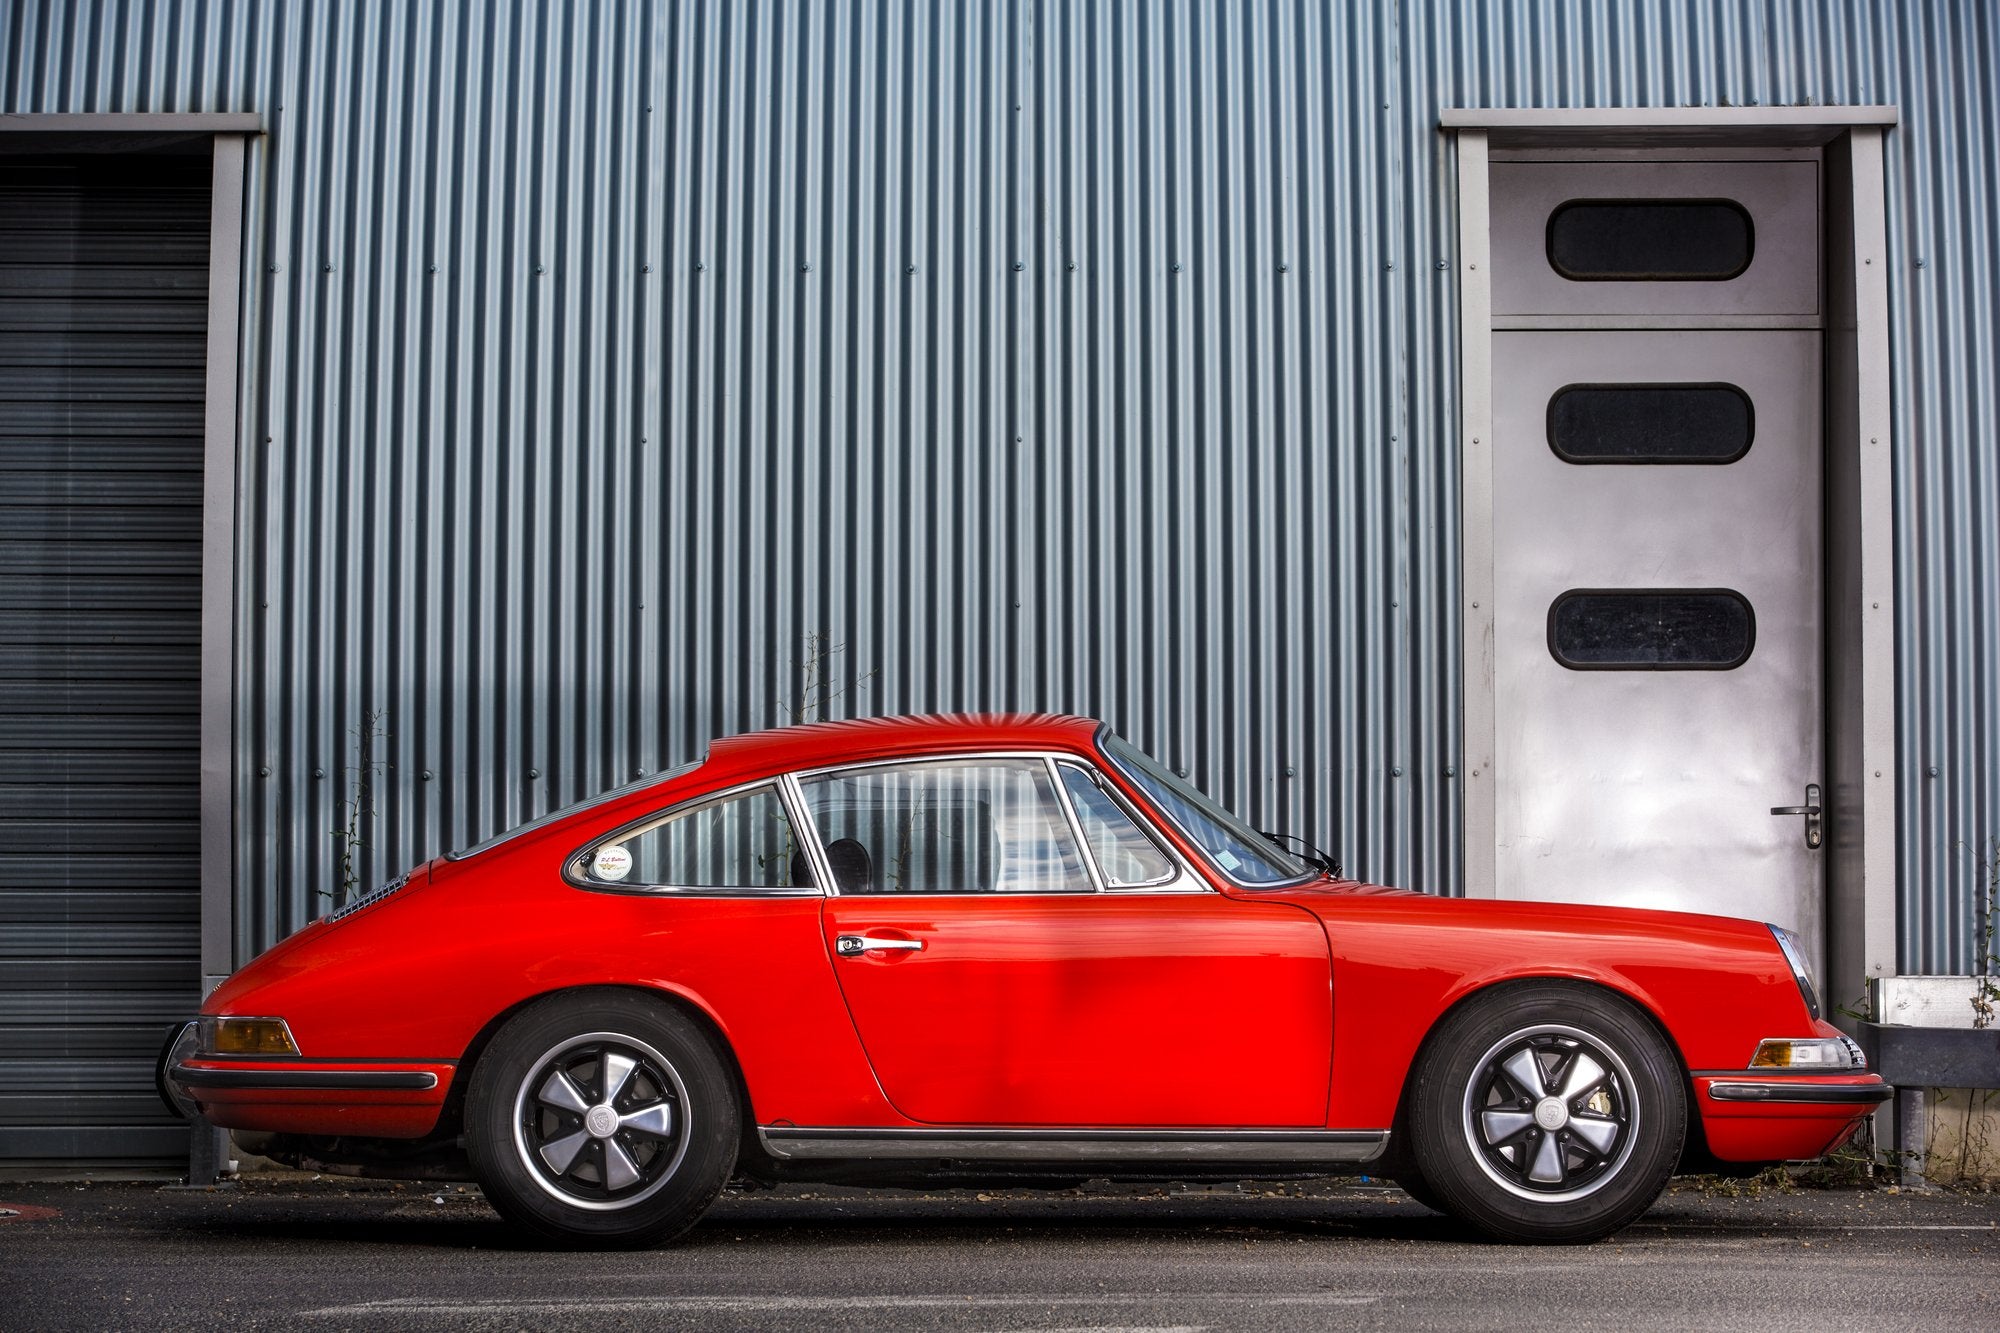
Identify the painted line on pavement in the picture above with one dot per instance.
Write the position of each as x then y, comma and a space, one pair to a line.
750, 1304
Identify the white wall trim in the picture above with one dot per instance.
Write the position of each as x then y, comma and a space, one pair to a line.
218, 562
1833, 118
1475, 392
1878, 552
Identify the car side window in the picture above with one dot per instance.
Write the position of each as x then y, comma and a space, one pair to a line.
743, 841
1125, 855
950, 826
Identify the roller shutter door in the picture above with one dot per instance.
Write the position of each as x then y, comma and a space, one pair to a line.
103, 312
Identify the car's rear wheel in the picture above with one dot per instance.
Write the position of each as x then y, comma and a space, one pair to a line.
1548, 1112
602, 1118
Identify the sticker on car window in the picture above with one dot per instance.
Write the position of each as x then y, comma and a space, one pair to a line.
611, 864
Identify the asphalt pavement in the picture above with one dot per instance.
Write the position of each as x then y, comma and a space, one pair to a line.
296, 1252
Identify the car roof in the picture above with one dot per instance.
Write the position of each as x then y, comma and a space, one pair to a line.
817, 744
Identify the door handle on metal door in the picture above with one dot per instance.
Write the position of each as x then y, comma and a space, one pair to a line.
1810, 810
853, 946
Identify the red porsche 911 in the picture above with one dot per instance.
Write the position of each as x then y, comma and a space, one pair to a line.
982, 948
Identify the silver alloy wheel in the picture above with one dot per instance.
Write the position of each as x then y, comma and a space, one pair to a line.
1550, 1114
600, 1121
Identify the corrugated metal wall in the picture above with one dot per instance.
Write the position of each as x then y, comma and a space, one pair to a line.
1094, 356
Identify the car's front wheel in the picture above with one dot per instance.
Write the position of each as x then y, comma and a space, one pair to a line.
602, 1118
1548, 1112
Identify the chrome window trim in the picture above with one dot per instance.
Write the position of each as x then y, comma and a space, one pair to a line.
1104, 732
573, 875
1090, 866
1165, 883
799, 776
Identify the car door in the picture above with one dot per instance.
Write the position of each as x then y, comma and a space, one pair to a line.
999, 974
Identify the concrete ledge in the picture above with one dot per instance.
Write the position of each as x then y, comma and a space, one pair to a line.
1926, 1057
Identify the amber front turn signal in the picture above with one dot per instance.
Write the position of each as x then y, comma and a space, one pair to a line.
249, 1036
1832, 1054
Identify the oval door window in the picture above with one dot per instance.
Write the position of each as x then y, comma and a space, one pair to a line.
1651, 629
1650, 423
1650, 240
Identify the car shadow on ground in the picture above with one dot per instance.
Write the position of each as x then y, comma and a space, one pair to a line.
470, 1225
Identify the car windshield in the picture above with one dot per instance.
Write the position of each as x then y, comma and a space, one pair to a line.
1243, 854
508, 835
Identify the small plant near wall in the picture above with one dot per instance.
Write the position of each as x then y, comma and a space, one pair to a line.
1986, 995
818, 687
357, 807
1973, 1160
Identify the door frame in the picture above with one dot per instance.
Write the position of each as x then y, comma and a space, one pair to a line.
227, 134
1859, 514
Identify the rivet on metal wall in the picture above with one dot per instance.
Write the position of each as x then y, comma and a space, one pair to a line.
1395, 772
1450, 772
1283, 267
645, 268
1072, 266
911, 269
1018, 266
434, 268
1177, 268
1288, 772
274, 268
540, 269
263, 772
427, 775
534, 772
329, 268
1934, 771
320, 772
1392, 266
700, 267
805, 268
1444, 263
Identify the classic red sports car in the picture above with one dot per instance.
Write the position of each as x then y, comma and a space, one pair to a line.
983, 948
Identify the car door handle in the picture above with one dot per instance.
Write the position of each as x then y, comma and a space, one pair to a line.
853, 946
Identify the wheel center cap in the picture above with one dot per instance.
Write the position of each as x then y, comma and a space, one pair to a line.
601, 1121
1551, 1114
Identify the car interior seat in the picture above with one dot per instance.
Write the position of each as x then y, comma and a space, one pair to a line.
853, 870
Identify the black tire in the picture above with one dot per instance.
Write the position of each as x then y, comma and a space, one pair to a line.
1576, 1156
1412, 1183
563, 1155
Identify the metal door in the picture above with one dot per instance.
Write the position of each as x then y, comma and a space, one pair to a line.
103, 328
1657, 563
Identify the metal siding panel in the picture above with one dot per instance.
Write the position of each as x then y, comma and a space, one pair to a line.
580, 521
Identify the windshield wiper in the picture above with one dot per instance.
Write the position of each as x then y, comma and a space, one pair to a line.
1312, 855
